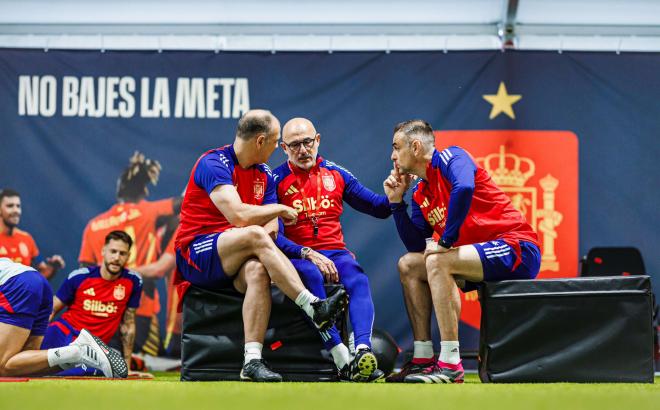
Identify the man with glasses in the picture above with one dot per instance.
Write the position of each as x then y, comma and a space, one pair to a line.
316, 189
229, 218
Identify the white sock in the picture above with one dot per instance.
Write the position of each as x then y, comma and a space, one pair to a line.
65, 355
305, 300
252, 351
422, 349
449, 352
361, 346
340, 355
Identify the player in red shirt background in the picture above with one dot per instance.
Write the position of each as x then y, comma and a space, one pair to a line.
482, 237
102, 299
140, 219
18, 245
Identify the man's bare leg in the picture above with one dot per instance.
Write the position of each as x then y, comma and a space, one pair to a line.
253, 281
443, 270
416, 294
20, 354
238, 245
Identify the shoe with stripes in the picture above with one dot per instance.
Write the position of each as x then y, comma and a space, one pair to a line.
442, 373
326, 311
412, 368
96, 354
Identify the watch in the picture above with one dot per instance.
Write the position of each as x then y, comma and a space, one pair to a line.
444, 244
305, 251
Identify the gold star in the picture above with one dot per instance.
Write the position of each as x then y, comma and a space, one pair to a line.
502, 102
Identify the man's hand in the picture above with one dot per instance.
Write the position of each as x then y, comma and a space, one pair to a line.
289, 215
432, 247
396, 185
56, 261
325, 265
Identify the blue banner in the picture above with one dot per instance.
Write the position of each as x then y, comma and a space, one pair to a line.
71, 119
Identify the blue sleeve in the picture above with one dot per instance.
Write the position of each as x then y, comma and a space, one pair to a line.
363, 199
67, 291
270, 197
287, 246
459, 169
134, 301
414, 230
213, 170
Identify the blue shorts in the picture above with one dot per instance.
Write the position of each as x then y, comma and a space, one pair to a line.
508, 260
200, 264
26, 300
59, 333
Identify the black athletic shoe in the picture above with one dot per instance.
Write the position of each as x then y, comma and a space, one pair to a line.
351, 372
443, 373
327, 310
257, 370
411, 368
364, 364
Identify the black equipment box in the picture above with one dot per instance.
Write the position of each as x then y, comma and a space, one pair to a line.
567, 330
212, 338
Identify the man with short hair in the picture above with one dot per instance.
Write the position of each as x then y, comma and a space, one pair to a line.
17, 244
101, 298
482, 237
229, 218
141, 218
26, 302
317, 189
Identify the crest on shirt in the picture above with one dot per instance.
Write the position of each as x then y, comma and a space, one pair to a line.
258, 190
329, 182
23, 249
119, 292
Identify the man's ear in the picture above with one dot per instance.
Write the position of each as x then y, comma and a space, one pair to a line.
260, 140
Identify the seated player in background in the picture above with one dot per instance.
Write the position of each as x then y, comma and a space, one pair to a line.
317, 189
229, 219
141, 219
482, 238
26, 302
101, 299
18, 245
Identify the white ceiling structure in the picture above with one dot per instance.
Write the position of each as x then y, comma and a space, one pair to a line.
339, 25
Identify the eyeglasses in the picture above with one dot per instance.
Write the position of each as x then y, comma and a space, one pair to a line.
295, 146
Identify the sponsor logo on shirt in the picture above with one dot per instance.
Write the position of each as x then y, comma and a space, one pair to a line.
292, 190
311, 204
98, 308
437, 216
90, 292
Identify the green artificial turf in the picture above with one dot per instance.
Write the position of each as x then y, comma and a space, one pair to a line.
167, 392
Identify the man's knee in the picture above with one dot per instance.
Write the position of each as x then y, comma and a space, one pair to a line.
257, 238
256, 274
409, 264
439, 264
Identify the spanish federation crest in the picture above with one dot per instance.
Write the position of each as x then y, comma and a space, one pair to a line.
329, 182
120, 292
258, 190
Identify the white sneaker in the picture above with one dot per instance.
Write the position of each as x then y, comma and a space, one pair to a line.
96, 354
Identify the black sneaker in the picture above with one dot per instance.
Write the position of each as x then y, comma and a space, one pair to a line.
443, 373
411, 368
363, 365
257, 370
349, 371
327, 310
